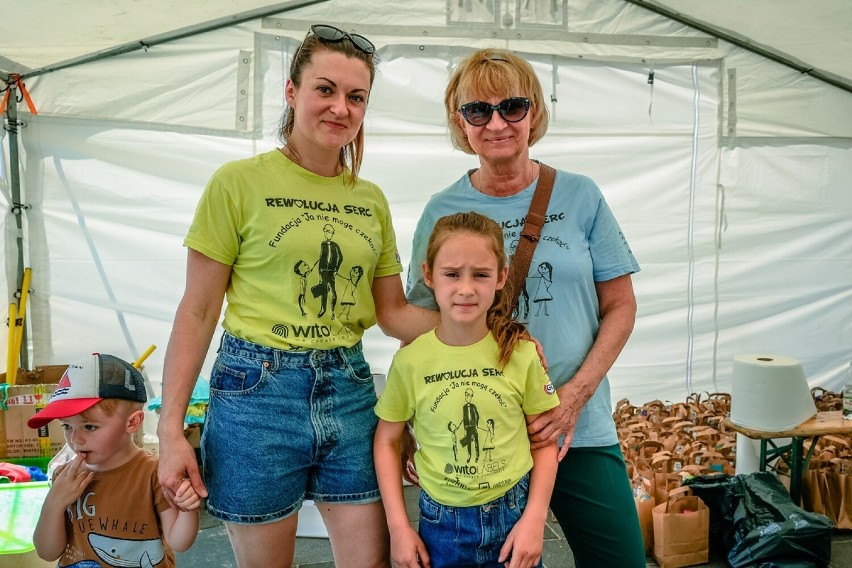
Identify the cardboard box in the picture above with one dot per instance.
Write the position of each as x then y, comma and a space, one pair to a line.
31, 391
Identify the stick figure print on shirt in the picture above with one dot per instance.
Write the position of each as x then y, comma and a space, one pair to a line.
488, 445
302, 269
542, 292
524, 297
329, 261
470, 421
452, 428
355, 274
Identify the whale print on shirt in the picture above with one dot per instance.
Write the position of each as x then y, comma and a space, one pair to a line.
128, 553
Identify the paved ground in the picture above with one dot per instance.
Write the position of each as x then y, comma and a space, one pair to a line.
212, 549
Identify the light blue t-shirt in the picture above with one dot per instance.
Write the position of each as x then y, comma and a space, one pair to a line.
581, 243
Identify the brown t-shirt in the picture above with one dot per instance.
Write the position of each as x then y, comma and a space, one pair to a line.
116, 520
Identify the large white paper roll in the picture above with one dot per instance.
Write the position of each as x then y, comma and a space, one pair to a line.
770, 393
748, 454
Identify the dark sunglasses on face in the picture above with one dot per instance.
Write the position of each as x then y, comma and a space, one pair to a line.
478, 113
330, 33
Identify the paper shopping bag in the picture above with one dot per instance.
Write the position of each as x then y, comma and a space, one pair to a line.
812, 480
827, 490
664, 484
836, 492
681, 530
644, 500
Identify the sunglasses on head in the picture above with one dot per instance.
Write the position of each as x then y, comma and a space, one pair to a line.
330, 33
478, 113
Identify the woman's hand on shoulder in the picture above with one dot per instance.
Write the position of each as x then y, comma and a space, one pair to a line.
549, 425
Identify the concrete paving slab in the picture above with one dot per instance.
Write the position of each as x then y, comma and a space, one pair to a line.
212, 548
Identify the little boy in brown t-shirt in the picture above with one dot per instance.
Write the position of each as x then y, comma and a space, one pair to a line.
106, 505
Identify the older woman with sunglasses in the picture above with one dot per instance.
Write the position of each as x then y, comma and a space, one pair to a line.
496, 110
291, 407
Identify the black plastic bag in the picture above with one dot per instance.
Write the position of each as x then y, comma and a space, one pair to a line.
787, 564
716, 492
770, 530
754, 523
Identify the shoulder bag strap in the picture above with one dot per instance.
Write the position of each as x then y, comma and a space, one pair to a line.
520, 264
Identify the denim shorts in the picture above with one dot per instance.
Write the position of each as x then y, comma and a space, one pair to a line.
470, 536
285, 426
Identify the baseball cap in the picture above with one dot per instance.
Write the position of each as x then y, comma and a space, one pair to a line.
87, 382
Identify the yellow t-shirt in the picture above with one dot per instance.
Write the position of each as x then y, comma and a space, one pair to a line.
303, 251
468, 415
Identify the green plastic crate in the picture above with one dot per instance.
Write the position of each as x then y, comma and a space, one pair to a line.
20, 504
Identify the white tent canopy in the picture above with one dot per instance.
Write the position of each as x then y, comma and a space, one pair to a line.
729, 172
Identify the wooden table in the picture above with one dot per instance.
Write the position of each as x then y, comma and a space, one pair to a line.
823, 423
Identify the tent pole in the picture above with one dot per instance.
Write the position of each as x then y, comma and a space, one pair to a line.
746, 44
17, 208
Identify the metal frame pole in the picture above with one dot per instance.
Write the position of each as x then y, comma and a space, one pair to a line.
16, 208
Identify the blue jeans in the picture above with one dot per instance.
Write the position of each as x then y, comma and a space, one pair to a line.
285, 426
470, 536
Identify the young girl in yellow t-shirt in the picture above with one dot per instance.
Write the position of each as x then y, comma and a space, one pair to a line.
478, 372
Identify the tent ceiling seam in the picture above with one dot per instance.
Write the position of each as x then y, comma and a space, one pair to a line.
690, 237
781, 141
181, 33
89, 121
472, 32
746, 43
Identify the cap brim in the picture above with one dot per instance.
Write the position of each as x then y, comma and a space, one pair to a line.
61, 409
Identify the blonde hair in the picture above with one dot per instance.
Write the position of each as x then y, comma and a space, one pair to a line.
110, 406
352, 154
505, 329
495, 73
